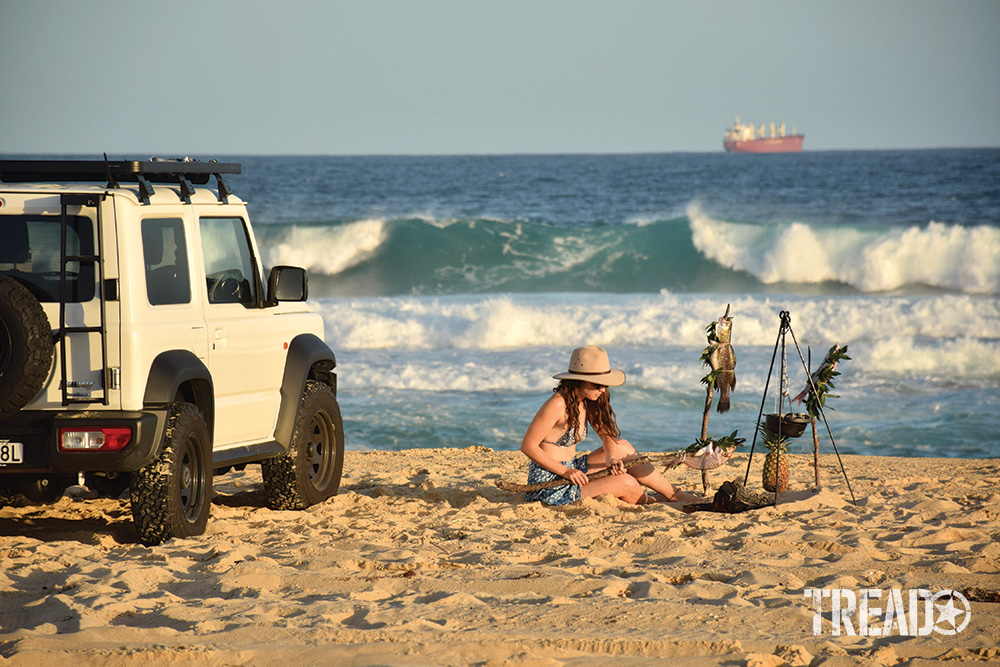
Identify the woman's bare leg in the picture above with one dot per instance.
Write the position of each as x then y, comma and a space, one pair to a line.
645, 473
623, 487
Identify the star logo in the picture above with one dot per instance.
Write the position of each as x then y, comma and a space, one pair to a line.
947, 613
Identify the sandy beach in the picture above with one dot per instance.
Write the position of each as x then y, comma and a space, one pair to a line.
421, 560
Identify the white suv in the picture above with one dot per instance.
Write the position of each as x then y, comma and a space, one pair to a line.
141, 349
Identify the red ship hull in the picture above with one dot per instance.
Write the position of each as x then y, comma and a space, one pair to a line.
788, 144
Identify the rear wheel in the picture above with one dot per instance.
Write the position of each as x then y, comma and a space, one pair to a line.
310, 471
172, 496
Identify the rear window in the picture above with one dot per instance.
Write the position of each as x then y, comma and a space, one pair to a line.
164, 250
30, 253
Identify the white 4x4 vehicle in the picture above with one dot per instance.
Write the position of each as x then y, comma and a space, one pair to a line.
141, 349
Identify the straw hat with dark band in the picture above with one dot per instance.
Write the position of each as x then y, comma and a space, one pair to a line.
591, 364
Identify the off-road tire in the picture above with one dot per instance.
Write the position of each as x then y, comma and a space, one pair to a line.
25, 346
309, 472
172, 496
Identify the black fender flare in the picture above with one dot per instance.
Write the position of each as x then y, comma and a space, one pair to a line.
179, 374
308, 358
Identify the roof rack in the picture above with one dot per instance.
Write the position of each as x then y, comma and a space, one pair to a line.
182, 172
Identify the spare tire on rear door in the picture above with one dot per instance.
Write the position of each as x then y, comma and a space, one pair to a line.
25, 346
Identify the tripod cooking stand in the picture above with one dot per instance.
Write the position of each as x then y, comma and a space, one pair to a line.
786, 328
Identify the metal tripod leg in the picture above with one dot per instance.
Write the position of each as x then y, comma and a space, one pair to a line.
822, 413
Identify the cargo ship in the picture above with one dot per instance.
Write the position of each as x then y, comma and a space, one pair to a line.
748, 139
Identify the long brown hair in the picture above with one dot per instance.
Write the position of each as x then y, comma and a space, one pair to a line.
599, 413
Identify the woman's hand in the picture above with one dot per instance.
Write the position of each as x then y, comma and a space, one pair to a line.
617, 467
576, 476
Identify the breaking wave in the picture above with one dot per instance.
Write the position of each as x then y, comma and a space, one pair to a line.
687, 254
870, 259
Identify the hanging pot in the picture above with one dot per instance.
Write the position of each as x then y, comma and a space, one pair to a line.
790, 425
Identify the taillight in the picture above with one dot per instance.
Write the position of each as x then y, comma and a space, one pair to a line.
96, 439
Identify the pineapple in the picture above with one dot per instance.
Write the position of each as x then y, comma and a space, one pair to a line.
776, 462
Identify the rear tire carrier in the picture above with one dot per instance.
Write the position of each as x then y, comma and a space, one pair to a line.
25, 346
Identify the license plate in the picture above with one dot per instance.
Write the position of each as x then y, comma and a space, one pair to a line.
11, 452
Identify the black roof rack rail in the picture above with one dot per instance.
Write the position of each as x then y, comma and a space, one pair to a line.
114, 171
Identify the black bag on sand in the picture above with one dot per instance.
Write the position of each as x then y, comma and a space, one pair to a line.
731, 498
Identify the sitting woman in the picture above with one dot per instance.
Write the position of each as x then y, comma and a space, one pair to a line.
561, 422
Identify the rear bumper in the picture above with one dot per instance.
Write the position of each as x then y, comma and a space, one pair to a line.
38, 432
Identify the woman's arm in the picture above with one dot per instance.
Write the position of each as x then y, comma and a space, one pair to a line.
551, 413
614, 453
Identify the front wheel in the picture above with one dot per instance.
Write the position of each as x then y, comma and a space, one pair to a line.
172, 496
309, 472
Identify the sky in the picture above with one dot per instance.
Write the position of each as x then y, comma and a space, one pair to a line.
291, 77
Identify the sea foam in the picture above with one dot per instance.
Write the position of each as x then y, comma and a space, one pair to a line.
951, 335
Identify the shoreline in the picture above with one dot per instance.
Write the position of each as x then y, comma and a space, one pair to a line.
421, 559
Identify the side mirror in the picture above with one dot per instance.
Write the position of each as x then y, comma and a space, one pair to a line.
287, 283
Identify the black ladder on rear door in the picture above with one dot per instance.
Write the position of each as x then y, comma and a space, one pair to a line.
92, 200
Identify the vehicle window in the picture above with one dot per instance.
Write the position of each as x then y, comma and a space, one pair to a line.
165, 257
30, 253
228, 261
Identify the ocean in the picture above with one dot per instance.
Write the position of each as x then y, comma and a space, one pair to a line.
453, 287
